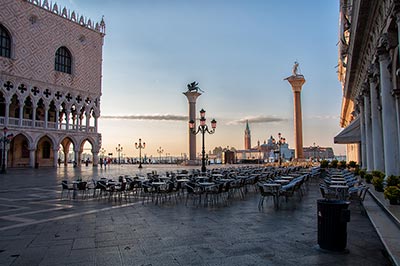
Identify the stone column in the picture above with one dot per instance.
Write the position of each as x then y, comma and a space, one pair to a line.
57, 118
32, 157
95, 154
67, 113
192, 97
368, 128
376, 118
87, 114
46, 116
8, 102
96, 121
77, 157
34, 116
297, 81
21, 114
364, 163
390, 134
55, 157
397, 95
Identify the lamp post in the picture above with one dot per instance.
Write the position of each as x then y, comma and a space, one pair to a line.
160, 151
315, 148
259, 152
5, 139
140, 146
279, 142
202, 128
102, 152
119, 150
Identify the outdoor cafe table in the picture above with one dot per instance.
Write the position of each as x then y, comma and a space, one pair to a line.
275, 187
183, 180
281, 181
206, 184
338, 178
338, 182
287, 177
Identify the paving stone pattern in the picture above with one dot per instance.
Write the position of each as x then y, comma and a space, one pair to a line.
36, 228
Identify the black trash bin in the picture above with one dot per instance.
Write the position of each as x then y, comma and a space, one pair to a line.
36, 165
333, 216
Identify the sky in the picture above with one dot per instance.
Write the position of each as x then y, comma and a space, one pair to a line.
238, 51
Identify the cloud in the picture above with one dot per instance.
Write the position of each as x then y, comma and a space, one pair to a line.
257, 119
147, 117
323, 117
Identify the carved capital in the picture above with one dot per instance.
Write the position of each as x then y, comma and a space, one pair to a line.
360, 100
365, 88
383, 47
386, 42
396, 92
373, 73
396, 10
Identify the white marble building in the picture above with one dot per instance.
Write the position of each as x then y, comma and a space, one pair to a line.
50, 82
369, 72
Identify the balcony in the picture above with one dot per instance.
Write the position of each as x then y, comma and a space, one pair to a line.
28, 124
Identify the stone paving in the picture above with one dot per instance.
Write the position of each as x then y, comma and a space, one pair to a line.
37, 228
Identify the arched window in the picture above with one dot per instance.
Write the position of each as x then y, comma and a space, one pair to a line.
5, 42
63, 60
46, 150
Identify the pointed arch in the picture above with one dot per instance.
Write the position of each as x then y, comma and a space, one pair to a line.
19, 153
45, 149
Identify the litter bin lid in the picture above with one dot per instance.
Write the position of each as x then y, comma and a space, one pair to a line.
333, 202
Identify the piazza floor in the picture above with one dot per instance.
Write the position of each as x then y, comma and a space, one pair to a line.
37, 228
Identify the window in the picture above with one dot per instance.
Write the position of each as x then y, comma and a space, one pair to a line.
46, 150
63, 60
5, 42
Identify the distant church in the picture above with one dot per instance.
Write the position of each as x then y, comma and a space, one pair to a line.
269, 151
247, 137
50, 82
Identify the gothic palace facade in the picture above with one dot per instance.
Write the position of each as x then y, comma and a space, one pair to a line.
50, 82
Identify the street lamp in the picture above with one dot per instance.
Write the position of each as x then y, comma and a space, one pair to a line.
140, 146
202, 128
315, 148
279, 142
119, 150
160, 151
5, 139
259, 152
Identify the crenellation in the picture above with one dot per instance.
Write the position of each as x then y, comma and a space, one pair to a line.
72, 16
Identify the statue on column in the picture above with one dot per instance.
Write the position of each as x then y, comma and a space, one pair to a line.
194, 87
295, 70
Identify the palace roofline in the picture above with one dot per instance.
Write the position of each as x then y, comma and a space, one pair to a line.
73, 16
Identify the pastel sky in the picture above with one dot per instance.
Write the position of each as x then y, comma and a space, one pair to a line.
239, 51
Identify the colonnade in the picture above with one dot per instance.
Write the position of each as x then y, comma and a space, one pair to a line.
378, 109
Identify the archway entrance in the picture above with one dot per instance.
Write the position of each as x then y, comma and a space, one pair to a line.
19, 154
44, 152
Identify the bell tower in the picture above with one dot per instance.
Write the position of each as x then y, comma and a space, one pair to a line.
247, 137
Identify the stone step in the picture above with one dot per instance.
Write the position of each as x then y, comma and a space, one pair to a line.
386, 223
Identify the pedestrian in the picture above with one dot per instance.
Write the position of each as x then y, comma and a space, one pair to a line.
101, 163
59, 162
105, 164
